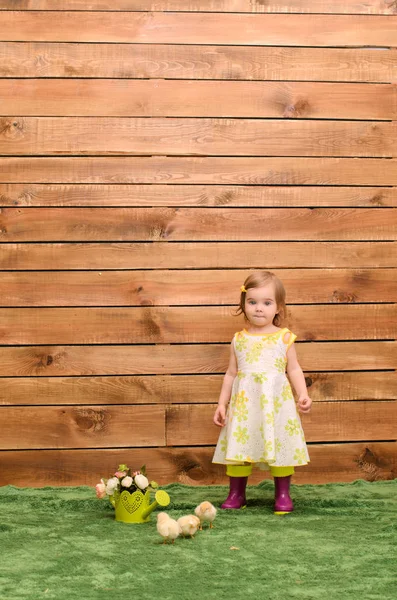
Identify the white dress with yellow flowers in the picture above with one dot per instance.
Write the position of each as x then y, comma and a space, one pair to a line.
262, 423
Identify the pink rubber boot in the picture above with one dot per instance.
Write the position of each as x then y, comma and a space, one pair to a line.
282, 502
236, 498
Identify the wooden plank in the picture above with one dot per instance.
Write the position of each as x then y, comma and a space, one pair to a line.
204, 170
328, 422
50, 361
118, 426
161, 98
83, 427
168, 136
382, 7
352, 386
191, 255
175, 325
180, 389
193, 195
41, 59
208, 287
345, 462
189, 224
200, 28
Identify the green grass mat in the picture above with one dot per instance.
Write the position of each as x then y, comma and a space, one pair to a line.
339, 544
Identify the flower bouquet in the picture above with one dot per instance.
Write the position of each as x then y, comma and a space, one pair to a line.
129, 494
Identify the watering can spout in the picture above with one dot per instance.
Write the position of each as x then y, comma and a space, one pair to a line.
161, 499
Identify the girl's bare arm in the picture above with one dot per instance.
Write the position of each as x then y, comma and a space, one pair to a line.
226, 390
297, 379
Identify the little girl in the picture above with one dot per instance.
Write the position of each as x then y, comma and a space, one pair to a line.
261, 426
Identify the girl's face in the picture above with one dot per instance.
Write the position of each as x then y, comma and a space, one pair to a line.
260, 306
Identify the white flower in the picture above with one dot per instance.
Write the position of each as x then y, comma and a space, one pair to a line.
126, 482
111, 485
141, 481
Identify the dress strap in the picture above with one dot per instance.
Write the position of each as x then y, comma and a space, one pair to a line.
292, 337
235, 338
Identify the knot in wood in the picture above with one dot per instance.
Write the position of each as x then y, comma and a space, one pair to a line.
377, 200
11, 129
224, 198
158, 233
373, 466
46, 360
88, 419
25, 198
297, 109
342, 296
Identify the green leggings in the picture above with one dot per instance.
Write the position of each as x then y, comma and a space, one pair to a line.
246, 470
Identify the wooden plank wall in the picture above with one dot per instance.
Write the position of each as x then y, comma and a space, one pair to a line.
151, 154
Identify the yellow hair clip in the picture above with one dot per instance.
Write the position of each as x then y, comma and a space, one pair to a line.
242, 289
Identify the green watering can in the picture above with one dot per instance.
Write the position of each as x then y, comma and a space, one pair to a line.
136, 507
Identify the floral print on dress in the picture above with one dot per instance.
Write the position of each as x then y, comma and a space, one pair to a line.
277, 404
241, 342
270, 418
270, 339
241, 434
239, 403
292, 427
287, 393
280, 364
263, 400
300, 456
259, 377
253, 355
268, 448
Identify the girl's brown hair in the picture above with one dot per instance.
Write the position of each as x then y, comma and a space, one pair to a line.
259, 279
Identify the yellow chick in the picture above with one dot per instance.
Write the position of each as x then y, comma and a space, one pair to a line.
189, 525
206, 512
168, 528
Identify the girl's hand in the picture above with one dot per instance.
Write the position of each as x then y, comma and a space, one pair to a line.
304, 403
220, 416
